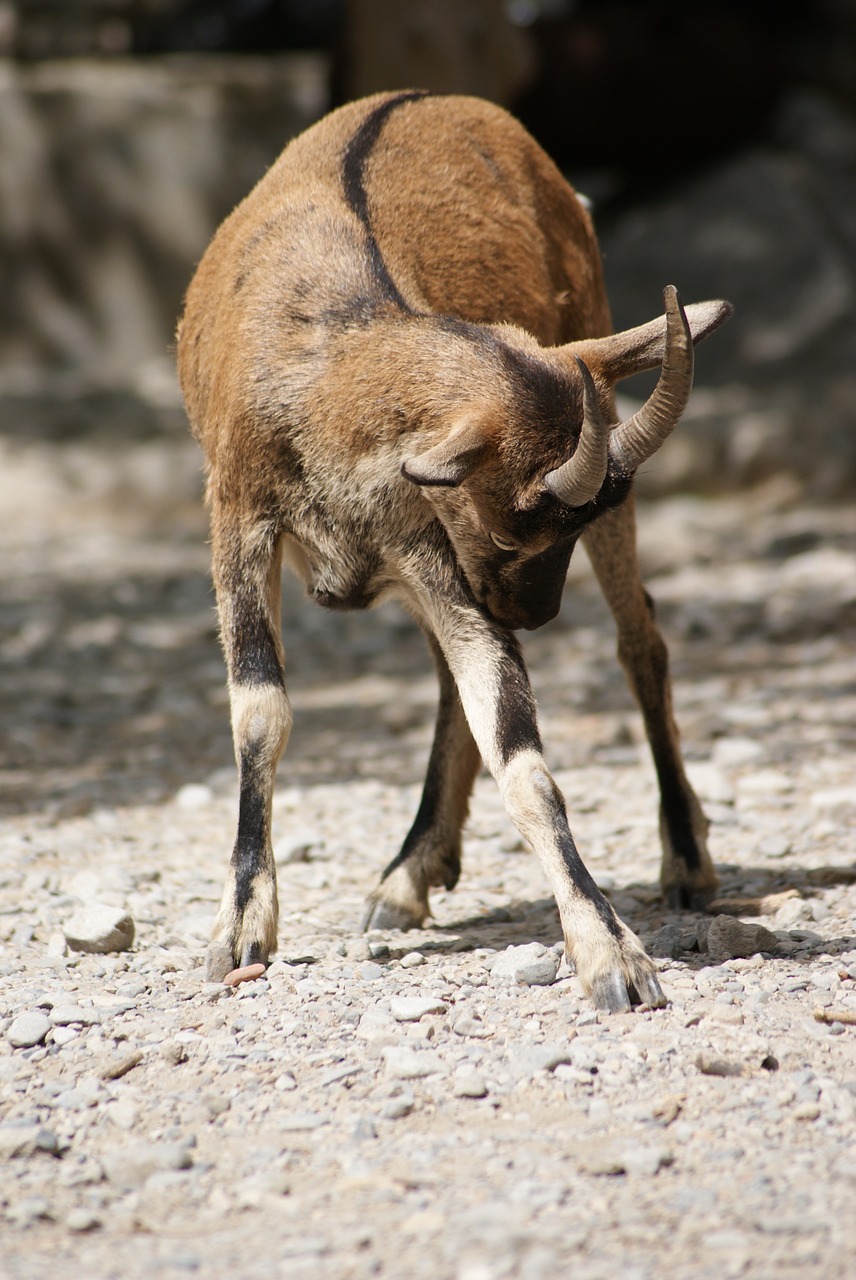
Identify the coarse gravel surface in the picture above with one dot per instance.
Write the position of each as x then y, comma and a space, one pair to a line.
388, 1104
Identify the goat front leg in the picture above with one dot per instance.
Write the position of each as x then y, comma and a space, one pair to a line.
687, 874
247, 576
431, 853
496, 695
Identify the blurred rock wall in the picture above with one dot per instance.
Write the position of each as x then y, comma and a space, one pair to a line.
113, 176
772, 228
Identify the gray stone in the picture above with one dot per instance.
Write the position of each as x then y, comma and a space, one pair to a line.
80, 1220
365, 1130
412, 1008
469, 1083
672, 941
399, 1106
530, 965
299, 846
301, 1121
28, 1029
30, 1210
728, 938
526, 1061
130, 1165
711, 1064
406, 1064
378, 1026
613, 1157
471, 1027
18, 1140
100, 930
65, 1015
120, 1064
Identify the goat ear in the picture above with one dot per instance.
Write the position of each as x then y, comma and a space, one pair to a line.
635, 350
452, 460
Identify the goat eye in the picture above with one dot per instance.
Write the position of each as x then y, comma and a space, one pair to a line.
502, 543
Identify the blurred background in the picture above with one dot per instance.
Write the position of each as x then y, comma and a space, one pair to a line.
716, 138
717, 142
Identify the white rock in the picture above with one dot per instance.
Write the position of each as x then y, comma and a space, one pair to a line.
792, 912
377, 1025
469, 1083
407, 1064
67, 1015
412, 1008
734, 751
765, 782
28, 1029
530, 965
835, 798
710, 783
100, 929
131, 1164
64, 1035
194, 795
300, 845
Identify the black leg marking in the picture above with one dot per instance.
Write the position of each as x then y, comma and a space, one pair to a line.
676, 811
516, 716
251, 841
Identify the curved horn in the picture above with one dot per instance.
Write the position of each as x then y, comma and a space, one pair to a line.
579, 479
635, 440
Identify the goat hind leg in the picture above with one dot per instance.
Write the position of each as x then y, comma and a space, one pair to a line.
431, 853
247, 570
687, 873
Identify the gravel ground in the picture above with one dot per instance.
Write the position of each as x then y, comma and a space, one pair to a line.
403, 1105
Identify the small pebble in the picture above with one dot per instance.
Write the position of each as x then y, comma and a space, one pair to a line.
80, 1220
728, 937
120, 1065
398, 1107
247, 974
28, 1029
407, 1064
218, 962
711, 1065
530, 965
412, 1008
469, 1084
100, 930
130, 1165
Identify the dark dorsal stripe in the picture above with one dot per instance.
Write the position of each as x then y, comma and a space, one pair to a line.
356, 156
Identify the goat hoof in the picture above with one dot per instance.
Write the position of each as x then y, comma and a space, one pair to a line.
388, 915
252, 954
610, 992
647, 990
613, 992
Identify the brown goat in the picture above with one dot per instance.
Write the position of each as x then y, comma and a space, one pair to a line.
396, 356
